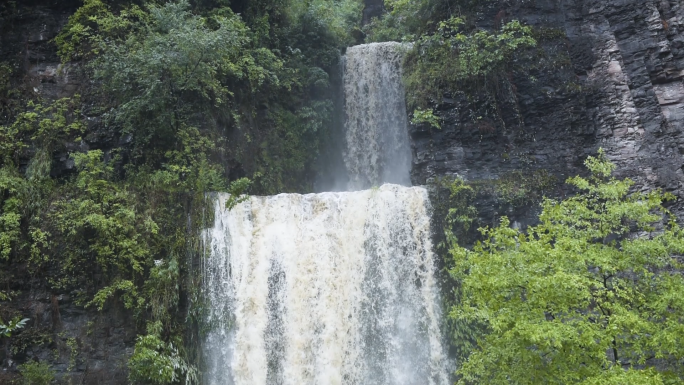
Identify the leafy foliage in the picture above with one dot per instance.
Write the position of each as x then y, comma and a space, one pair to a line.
22, 196
218, 71
11, 186
451, 56
96, 221
30, 337
425, 116
41, 126
93, 25
36, 373
157, 362
337, 17
178, 66
407, 20
591, 295
461, 213
456, 59
518, 188
6, 329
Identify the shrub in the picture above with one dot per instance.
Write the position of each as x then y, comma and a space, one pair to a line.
36, 373
590, 295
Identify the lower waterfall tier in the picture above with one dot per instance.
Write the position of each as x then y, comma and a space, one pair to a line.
330, 288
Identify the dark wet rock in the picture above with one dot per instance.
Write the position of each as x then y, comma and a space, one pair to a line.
83, 346
626, 68
372, 8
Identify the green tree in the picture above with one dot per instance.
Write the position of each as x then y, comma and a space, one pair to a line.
256, 85
176, 72
593, 294
409, 19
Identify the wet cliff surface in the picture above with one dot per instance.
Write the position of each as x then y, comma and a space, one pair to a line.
26, 33
614, 80
83, 346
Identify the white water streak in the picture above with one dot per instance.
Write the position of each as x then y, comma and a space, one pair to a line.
331, 288
378, 149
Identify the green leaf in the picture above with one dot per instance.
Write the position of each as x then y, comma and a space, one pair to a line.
590, 295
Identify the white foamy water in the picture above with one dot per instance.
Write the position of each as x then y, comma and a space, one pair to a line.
378, 149
330, 288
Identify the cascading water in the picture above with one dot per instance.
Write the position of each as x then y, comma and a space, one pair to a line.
331, 288
378, 148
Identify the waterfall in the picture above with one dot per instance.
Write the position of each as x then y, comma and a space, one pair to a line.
376, 128
335, 287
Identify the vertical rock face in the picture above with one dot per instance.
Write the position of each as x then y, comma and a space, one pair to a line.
82, 346
627, 56
26, 33
639, 66
372, 8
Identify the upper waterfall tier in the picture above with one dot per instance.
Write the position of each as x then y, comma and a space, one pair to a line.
378, 149
330, 288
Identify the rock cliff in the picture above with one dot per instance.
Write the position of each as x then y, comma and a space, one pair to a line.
82, 346
616, 83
